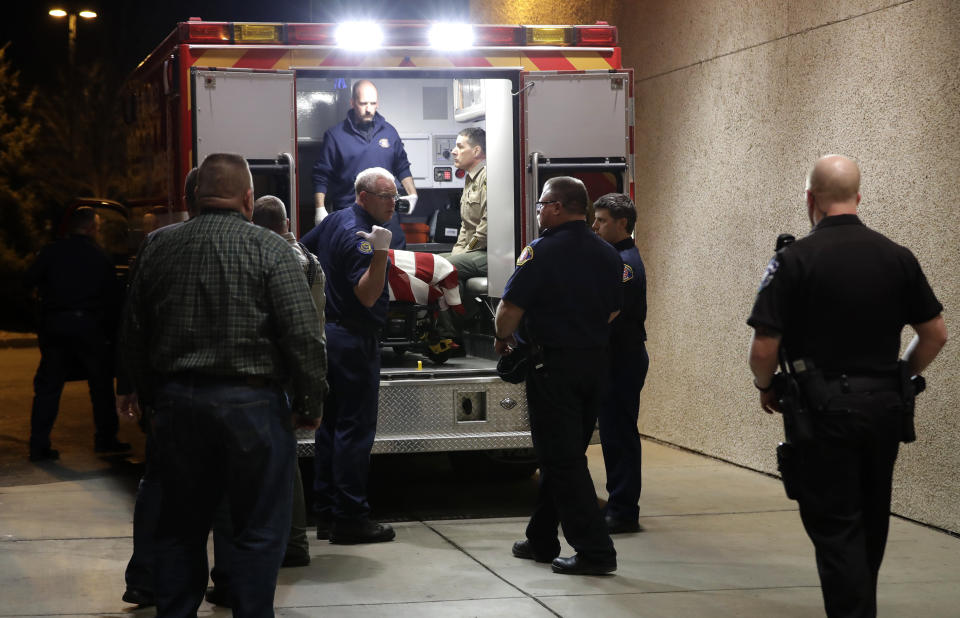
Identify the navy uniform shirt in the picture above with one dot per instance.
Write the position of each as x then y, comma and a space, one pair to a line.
347, 151
568, 282
841, 296
344, 257
73, 274
627, 330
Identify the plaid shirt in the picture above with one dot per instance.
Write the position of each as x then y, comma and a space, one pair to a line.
220, 296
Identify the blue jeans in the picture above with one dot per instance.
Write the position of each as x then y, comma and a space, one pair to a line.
221, 439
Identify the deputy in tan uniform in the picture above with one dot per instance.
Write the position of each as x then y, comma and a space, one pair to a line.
469, 254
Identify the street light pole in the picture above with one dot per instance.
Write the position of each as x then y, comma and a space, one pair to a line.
72, 38
72, 28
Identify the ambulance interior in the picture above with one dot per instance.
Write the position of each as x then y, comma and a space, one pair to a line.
428, 110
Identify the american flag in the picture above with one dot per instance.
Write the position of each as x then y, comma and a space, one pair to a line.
424, 278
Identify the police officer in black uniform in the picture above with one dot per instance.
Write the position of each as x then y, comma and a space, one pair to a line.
565, 291
80, 303
614, 219
352, 248
837, 300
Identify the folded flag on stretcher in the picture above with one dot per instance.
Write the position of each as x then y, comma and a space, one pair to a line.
425, 279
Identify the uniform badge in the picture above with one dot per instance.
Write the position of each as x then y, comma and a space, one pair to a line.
525, 256
365, 247
772, 268
627, 272
384, 143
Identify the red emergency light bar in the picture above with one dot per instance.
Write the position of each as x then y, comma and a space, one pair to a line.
313, 34
206, 32
396, 34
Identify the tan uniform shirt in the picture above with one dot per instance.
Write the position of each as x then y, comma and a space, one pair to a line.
473, 213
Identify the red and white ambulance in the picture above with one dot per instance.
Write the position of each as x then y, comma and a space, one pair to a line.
553, 100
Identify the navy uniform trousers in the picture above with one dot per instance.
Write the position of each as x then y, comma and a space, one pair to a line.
68, 337
563, 397
221, 439
844, 495
345, 437
619, 436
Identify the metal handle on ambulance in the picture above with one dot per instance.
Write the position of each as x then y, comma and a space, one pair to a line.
294, 207
618, 166
534, 188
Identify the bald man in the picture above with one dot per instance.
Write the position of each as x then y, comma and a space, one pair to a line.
195, 345
362, 141
837, 300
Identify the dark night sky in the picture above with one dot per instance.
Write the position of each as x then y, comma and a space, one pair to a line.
127, 30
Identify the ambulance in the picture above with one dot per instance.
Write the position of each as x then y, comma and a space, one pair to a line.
553, 100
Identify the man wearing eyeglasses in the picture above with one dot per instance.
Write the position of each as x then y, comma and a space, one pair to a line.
562, 296
352, 248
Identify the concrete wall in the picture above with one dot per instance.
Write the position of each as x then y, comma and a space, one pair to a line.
735, 99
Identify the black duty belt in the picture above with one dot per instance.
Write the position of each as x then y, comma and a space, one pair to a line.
861, 384
356, 327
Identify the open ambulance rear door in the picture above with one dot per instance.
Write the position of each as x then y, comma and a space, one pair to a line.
251, 113
580, 124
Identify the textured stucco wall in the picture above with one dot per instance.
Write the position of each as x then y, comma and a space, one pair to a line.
735, 99
540, 12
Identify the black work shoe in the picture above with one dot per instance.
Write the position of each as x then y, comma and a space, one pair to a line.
576, 565
46, 454
323, 529
523, 549
218, 596
297, 558
139, 597
357, 531
111, 446
621, 526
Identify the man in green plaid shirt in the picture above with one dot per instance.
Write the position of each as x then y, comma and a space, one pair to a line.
219, 323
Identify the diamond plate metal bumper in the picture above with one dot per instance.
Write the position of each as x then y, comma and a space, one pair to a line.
441, 414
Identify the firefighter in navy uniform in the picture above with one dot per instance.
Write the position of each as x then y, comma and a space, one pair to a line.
352, 249
614, 220
362, 141
565, 291
837, 300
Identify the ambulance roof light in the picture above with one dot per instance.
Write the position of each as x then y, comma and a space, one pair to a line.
359, 36
451, 37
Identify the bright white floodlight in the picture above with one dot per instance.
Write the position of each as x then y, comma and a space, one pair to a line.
359, 36
451, 37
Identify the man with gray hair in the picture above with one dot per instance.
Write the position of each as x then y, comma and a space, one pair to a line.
218, 321
352, 246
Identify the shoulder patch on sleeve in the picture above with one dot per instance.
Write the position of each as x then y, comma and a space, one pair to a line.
525, 256
364, 247
627, 272
772, 267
